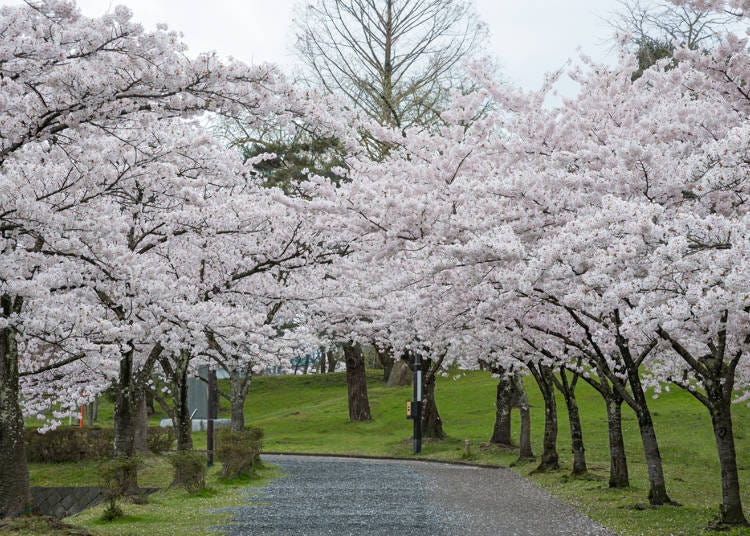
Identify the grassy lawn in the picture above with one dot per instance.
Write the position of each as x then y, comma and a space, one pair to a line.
177, 512
308, 414
166, 513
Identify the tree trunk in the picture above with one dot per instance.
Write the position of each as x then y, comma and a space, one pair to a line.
657, 494
501, 432
124, 419
432, 424
386, 359
15, 494
618, 463
721, 419
150, 409
550, 459
331, 355
524, 443
322, 362
568, 390
141, 423
356, 383
717, 374
183, 423
576, 435
239, 385
92, 411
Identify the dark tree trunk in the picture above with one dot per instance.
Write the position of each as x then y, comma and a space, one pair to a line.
386, 358
124, 419
501, 432
331, 355
239, 384
15, 494
356, 383
721, 419
141, 423
568, 390
129, 387
717, 374
432, 424
322, 363
550, 459
657, 494
618, 463
150, 409
524, 443
576, 435
183, 423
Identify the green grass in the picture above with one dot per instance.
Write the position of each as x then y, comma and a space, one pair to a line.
155, 472
308, 414
175, 511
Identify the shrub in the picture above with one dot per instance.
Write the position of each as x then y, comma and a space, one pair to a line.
189, 470
72, 444
239, 452
114, 475
68, 444
159, 439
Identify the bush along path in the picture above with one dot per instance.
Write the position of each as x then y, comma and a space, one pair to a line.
382, 497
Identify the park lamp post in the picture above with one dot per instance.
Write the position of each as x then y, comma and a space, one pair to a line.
414, 408
211, 414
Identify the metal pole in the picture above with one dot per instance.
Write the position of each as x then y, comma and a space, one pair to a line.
211, 414
418, 398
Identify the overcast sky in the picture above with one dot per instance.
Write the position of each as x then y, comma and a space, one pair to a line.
529, 37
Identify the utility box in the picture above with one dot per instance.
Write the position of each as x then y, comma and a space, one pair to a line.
411, 407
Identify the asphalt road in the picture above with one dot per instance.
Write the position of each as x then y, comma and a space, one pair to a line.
343, 496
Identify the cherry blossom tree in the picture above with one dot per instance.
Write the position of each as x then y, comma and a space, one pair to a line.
77, 95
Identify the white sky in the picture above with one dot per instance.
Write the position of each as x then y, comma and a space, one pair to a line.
529, 37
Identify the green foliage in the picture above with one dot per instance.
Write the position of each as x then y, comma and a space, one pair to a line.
295, 157
649, 52
114, 478
160, 439
72, 444
68, 444
189, 470
239, 452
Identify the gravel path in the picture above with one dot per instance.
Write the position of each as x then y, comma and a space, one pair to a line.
343, 496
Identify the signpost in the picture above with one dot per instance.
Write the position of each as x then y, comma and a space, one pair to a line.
211, 414
414, 408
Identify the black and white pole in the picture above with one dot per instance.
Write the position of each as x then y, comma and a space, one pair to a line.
417, 411
211, 414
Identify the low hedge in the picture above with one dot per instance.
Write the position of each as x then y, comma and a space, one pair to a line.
72, 444
239, 452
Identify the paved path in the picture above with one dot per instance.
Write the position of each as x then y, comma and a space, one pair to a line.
342, 496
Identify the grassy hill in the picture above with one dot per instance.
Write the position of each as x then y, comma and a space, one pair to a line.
308, 414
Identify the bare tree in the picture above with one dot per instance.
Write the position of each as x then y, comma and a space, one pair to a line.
395, 60
662, 22
656, 27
